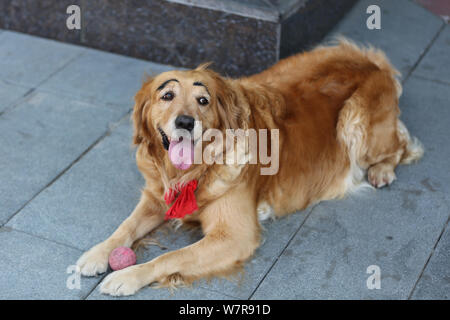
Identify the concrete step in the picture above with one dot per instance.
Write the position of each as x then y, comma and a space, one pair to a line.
240, 37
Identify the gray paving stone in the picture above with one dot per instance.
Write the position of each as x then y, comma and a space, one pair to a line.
406, 30
275, 238
87, 203
10, 94
436, 63
435, 281
41, 137
103, 77
329, 257
425, 111
32, 268
29, 60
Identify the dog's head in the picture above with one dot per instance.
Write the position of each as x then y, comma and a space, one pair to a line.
176, 107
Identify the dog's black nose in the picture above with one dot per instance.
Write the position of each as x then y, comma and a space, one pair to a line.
185, 122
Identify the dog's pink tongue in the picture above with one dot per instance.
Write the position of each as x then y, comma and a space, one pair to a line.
181, 153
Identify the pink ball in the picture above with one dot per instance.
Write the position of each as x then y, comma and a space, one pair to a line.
121, 258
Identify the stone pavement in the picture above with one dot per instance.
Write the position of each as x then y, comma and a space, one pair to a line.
68, 178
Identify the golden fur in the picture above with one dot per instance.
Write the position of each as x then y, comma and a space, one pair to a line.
337, 112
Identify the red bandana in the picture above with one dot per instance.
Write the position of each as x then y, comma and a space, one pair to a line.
185, 202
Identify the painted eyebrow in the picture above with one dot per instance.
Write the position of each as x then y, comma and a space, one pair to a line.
165, 83
198, 83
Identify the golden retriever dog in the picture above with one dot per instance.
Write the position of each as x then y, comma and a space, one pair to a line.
336, 113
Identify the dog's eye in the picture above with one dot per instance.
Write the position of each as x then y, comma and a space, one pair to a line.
167, 96
203, 101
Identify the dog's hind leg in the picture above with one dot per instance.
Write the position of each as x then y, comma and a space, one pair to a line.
369, 127
409, 149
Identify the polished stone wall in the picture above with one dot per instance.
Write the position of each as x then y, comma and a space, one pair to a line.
240, 37
310, 23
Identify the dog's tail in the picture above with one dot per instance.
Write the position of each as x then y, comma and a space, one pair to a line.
414, 148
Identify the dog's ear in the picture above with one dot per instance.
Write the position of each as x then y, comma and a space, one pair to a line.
141, 130
203, 66
232, 108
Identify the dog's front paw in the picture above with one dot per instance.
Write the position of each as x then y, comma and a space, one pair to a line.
124, 282
94, 261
